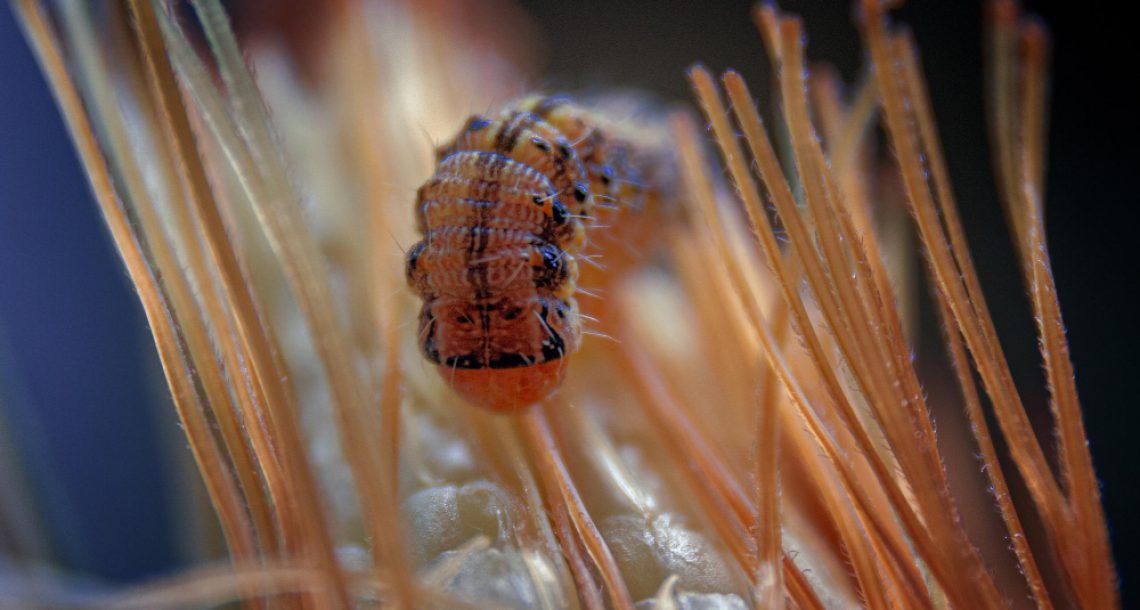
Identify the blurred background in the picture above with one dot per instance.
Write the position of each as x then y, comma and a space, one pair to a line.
84, 418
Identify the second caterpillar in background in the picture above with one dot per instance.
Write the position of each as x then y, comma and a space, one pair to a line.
512, 205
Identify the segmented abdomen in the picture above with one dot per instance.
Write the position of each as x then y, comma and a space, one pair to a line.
496, 267
502, 218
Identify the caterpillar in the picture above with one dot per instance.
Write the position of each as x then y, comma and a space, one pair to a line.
505, 218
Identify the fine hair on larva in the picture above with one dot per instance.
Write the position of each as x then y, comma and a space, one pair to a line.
505, 219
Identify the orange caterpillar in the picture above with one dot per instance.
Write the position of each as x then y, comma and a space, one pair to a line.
503, 217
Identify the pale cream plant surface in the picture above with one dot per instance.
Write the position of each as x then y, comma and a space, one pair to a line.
749, 430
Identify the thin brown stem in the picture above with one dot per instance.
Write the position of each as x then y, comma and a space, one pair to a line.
559, 486
189, 403
1021, 142
560, 514
771, 174
175, 126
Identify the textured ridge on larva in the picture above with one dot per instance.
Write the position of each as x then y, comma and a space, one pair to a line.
503, 217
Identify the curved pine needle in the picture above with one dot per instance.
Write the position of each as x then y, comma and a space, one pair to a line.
263, 174
834, 313
555, 479
571, 546
263, 182
950, 266
184, 309
769, 578
702, 82
992, 467
761, 149
961, 365
877, 326
175, 126
707, 475
957, 281
1018, 117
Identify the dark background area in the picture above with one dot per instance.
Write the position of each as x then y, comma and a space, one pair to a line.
77, 384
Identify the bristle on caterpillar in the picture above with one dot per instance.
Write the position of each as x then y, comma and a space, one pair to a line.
504, 219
